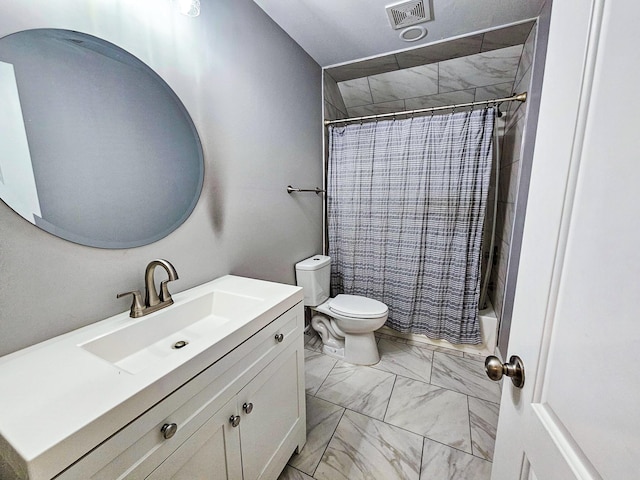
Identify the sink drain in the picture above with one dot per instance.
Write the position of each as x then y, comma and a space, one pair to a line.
180, 344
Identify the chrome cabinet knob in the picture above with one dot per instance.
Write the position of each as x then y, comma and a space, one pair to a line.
514, 368
279, 337
234, 420
248, 408
168, 430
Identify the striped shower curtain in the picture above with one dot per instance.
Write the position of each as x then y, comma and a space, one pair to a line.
405, 205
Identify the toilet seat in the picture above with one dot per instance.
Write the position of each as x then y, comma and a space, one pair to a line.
356, 306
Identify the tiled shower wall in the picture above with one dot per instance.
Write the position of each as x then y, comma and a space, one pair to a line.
481, 76
334, 107
479, 67
509, 177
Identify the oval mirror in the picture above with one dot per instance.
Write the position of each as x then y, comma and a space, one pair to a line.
96, 147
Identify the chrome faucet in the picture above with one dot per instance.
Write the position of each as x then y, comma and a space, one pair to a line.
152, 301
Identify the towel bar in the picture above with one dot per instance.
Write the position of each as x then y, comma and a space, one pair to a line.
317, 190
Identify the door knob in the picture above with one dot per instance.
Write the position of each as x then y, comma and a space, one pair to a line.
248, 408
496, 369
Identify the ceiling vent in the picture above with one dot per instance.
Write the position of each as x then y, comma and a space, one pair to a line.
404, 14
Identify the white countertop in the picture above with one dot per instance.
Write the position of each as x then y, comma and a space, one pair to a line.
58, 401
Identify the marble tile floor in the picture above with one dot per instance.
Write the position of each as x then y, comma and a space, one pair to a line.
420, 414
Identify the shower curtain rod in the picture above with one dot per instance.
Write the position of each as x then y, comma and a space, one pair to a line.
521, 97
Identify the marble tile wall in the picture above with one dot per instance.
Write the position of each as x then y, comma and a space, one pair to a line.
509, 176
421, 85
435, 52
334, 107
481, 76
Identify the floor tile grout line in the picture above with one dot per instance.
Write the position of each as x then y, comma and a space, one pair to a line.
410, 378
326, 376
483, 399
468, 413
472, 449
431, 368
297, 470
401, 375
416, 356
398, 427
382, 420
451, 447
329, 442
424, 442
384, 416
470, 429
452, 352
445, 388
433, 362
461, 381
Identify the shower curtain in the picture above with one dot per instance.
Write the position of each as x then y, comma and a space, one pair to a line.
405, 207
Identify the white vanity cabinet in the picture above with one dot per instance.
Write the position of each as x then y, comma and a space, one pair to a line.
213, 451
266, 371
265, 414
238, 413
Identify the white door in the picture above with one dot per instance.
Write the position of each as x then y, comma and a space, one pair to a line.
576, 318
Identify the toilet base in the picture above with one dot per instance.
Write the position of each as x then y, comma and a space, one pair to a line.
356, 348
361, 349
333, 351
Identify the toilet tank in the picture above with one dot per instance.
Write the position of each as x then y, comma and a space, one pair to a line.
314, 276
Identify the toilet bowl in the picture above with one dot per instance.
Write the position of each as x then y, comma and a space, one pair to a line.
345, 323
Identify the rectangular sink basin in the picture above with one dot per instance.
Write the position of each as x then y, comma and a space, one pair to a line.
71, 392
170, 330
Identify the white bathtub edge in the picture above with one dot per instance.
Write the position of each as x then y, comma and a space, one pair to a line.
488, 330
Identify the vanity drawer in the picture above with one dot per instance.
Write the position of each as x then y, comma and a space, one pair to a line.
138, 448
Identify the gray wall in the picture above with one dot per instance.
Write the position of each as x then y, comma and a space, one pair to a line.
256, 100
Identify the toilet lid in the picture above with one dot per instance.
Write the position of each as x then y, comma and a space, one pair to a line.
357, 306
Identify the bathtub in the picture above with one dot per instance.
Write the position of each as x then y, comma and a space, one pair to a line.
488, 330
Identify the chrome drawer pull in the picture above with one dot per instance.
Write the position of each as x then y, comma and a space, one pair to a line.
234, 420
279, 337
168, 430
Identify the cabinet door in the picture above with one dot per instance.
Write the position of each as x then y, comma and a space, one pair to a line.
211, 453
268, 433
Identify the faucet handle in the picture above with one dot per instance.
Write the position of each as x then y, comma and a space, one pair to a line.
137, 307
165, 296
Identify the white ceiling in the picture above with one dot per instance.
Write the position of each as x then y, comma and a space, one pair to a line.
341, 31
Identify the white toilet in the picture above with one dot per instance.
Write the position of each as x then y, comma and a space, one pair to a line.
345, 323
